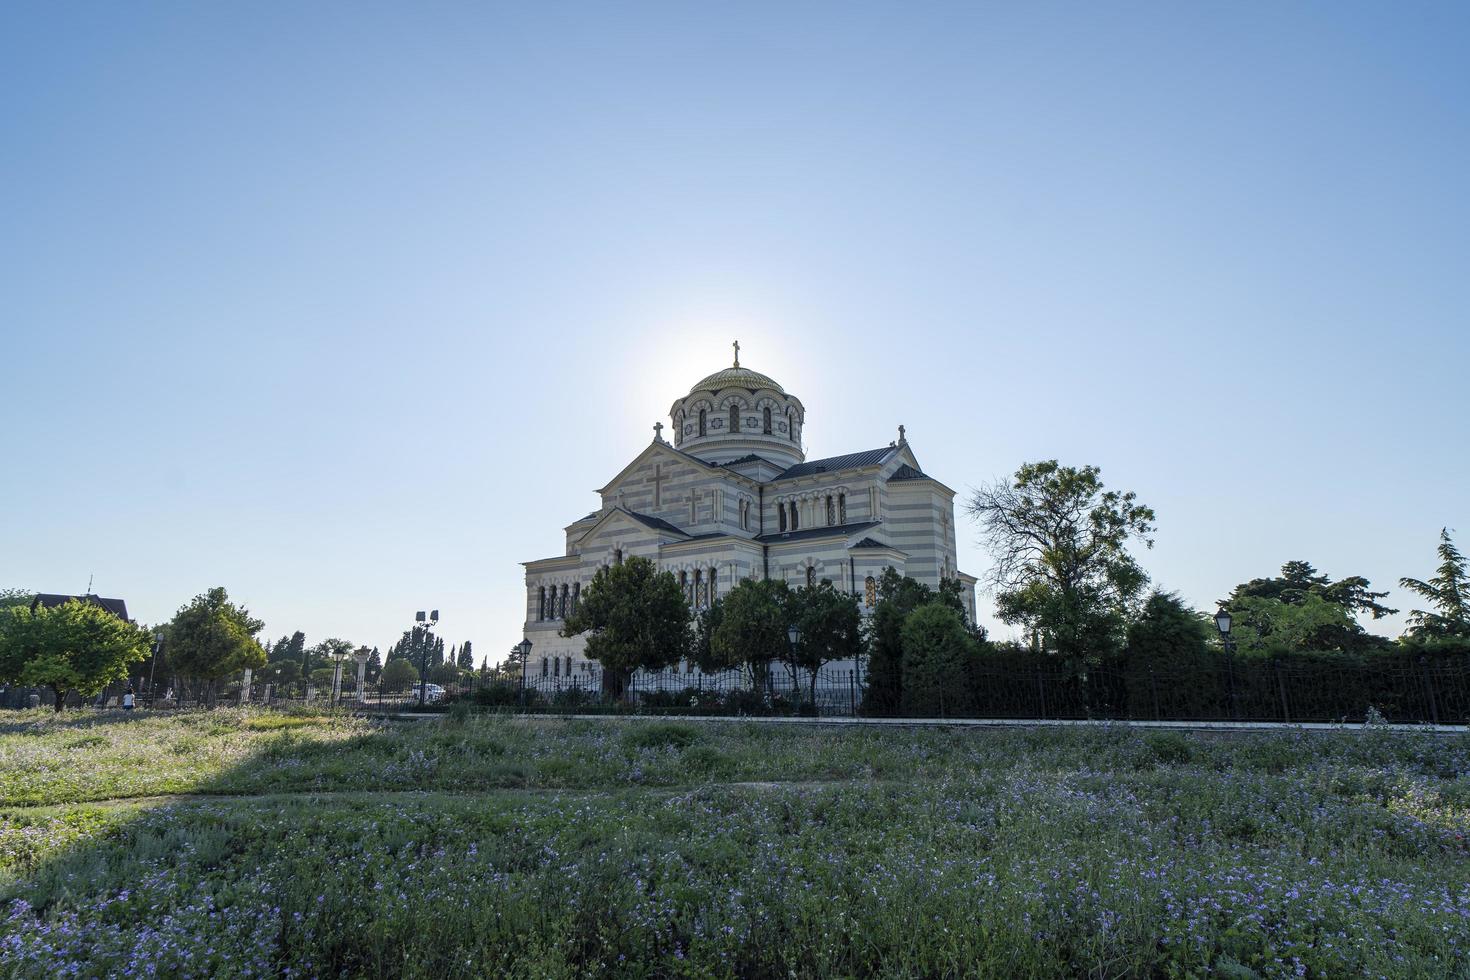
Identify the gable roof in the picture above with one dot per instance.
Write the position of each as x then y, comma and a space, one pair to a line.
836, 531
869, 457
870, 543
45, 600
658, 523
907, 472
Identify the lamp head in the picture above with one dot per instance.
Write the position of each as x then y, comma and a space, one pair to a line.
1222, 621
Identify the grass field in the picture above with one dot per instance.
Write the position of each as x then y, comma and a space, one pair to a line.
253, 843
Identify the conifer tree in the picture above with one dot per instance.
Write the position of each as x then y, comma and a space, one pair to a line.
1448, 592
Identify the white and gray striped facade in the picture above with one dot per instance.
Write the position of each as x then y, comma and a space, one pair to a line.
733, 497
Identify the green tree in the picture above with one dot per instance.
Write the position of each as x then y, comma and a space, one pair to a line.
898, 595
1270, 626
281, 672
1299, 579
374, 665
466, 659
212, 638
76, 646
751, 630
831, 629
332, 651
635, 617
1168, 631
1448, 592
705, 625
1059, 540
938, 652
290, 648
399, 674
15, 597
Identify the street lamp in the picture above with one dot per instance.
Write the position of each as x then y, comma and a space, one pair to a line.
153, 667
1222, 623
429, 624
523, 649
793, 637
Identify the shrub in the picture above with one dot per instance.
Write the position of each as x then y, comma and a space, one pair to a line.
937, 651
658, 734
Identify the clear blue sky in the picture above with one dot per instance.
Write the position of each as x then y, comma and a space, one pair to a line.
349, 307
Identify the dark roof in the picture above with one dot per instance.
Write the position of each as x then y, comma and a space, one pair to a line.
870, 543
907, 472
751, 458
840, 530
831, 463
656, 522
46, 600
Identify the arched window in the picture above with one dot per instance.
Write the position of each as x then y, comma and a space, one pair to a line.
790, 426
766, 420
555, 666
713, 595
734, 418
811, 576
684, 586
541, 603
831, 512
842, 508
781, 513
698, 589
702, 415
576, 595
544, 667
870, 592
794, 521
566, 598
618, 557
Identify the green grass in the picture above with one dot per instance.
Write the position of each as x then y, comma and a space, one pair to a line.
255, 843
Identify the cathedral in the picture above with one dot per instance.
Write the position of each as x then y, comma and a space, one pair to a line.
733, 497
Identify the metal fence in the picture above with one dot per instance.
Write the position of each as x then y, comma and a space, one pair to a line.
1219, 687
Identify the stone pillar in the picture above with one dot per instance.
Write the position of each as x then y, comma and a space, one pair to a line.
362, 657
336, 682
245, 686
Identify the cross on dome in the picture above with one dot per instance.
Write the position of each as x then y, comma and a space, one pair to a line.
737, 353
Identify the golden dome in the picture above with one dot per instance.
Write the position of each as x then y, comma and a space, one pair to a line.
736, 377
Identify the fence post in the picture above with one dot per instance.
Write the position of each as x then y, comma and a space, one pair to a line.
1041, 689
1281, 686
1429, 689
1153, 686
1230, 680
851, 693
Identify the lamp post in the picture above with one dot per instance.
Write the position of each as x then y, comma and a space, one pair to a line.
1222, 623
523, 651
153, 667
793, 637
429, 623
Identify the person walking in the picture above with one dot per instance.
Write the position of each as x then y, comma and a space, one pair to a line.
128, 698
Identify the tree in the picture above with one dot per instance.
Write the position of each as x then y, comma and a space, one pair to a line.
15, 597
281, 672
76, 646
1300, 581
212, 638
399, 674
1168, 631
898, 595
831, 629
751, 629
1448, 592
332, 651
937, 653
1270, 626
374, 665
1060, 545
705, 625
466, 657
634, 616
290, 648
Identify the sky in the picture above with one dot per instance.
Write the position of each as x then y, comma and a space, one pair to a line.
350, 307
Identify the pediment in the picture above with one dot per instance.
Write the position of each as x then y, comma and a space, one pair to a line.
655, 451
